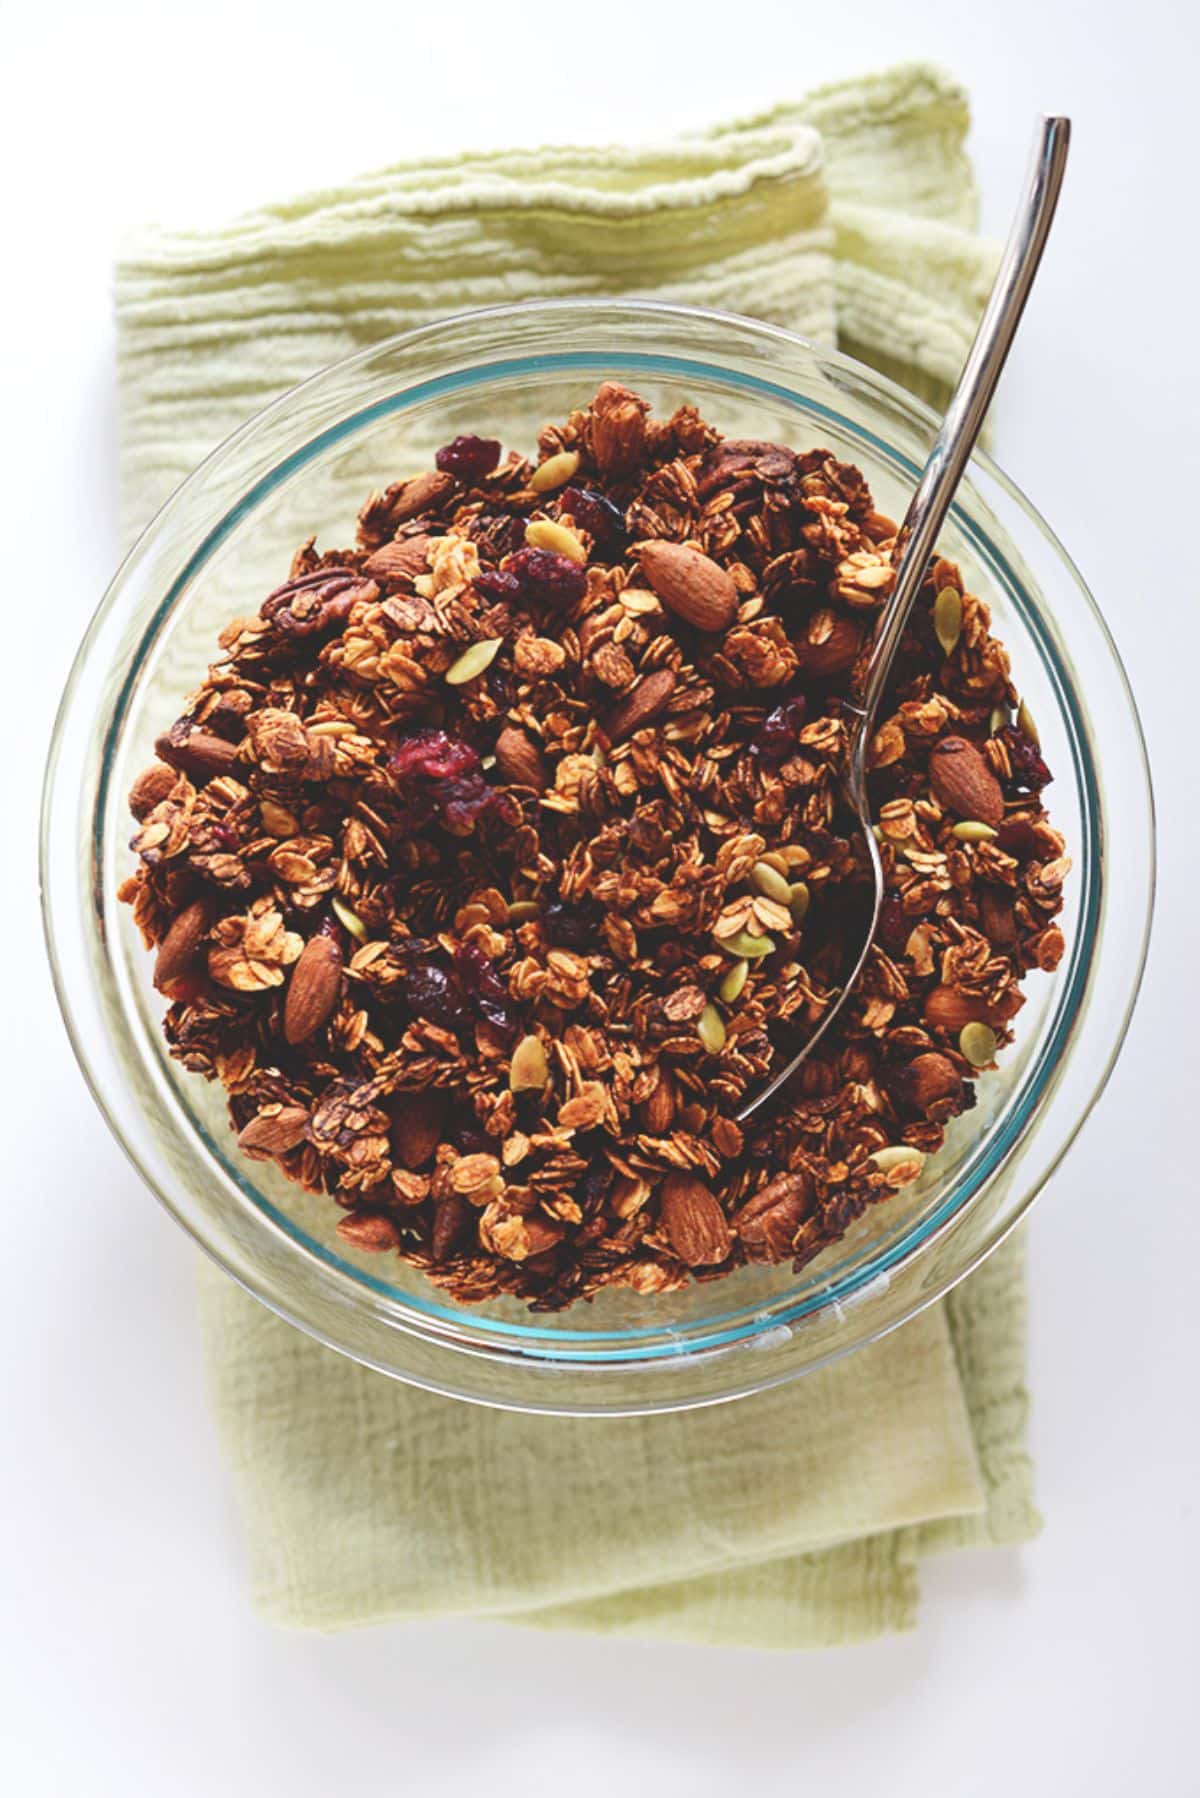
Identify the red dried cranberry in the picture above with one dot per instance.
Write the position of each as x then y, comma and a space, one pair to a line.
470, 458
469, 1139
484, 987
567, 927
594, 1185
548, 579
1029, 772
597, 514
429, 754
779, 732
497, 583
439, 776
893, 929
429, 992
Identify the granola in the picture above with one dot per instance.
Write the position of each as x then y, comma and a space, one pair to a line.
500, 858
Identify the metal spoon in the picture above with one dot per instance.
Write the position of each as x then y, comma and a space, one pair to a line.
929, 506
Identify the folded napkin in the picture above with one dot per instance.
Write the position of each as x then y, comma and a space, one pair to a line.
798, 1517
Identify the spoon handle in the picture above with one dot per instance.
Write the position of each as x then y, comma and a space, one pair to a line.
968, 406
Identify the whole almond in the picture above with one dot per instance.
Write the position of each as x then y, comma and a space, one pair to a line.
932, 1085
313, 989
963, 782
180, 947
200, 755
454, 1224
830, 644
420, 494
400, 561
150, 789
644, 704
519, 759
274, 1132
767, 1223
695, 1225
657, 1113
998, 916
690, 584
369, 1230
618, 429
946, 1008
417, 1121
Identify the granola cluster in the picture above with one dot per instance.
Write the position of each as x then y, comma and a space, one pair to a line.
500, 859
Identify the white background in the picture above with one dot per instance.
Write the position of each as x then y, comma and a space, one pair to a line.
130, 1662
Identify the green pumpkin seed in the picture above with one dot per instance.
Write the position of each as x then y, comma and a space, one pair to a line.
528, 1071
1025, 723
770, 882
521, 910
998, 719
947, 619
744, 945
554, 472
973, 830
711, 1029
472, 662
798, 900
733, 985
978, 1044
349, 920
889, 1161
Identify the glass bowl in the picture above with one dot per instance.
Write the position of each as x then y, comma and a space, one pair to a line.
225, 539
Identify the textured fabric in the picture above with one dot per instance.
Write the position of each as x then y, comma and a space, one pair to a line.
796, 1518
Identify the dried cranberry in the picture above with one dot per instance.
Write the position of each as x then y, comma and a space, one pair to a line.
484, 987
429, 992
893, 929
566, 927
469, 1139
429, 754
439, 776
470, 458
497, 583
1029, 772
548, 579
780, 730
594, 1185
597, 514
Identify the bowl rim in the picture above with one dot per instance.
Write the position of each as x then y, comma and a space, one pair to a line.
595, 308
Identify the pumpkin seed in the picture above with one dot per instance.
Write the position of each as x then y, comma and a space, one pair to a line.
902, 1157
349, 920
998, 719
711, 1029
733, 985
978, 1043
798, 900
554, 472
472, 662
770, 883
1025, 723
528, 1071
973, 830
743, 945
521, 910
947, 619
543, 533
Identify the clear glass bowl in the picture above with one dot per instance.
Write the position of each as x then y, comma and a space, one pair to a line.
226, 538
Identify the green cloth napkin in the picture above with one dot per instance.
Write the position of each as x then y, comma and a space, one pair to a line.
796, 1518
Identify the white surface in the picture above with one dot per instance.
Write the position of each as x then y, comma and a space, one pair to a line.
129, 1660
